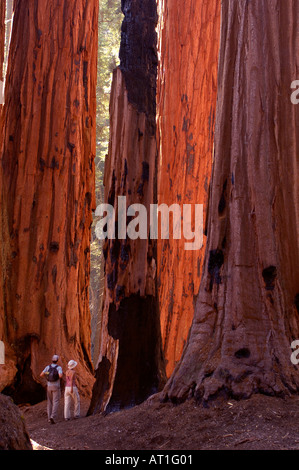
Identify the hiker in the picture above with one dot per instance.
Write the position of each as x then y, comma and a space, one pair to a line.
71, 392
53, 374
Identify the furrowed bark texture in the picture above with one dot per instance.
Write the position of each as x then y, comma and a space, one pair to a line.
47, 161
187, 87
2, 36
2, 46
130, 365
247, 311
7, 370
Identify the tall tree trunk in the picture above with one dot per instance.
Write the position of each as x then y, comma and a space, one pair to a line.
2, 218
2, 36
247, 312
187, 87
2, 49
130, 365
47, 160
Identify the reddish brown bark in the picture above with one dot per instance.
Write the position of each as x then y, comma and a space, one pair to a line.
247, 311
2, 36
8, 370
130, 365
187, 87
47, 159
2, 46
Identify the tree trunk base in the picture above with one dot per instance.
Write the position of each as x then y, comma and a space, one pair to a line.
236, 377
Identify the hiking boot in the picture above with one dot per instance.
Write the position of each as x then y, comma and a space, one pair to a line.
52, 421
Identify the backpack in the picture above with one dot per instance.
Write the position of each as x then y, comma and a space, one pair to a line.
53, 375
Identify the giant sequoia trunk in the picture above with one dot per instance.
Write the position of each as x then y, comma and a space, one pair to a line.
47, 162
130, 365
247, 312
2, 36
8, 370
187, 86
2, 219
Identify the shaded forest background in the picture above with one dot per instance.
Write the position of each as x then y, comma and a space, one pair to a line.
110, 19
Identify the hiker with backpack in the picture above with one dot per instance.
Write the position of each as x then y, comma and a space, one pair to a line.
53, 374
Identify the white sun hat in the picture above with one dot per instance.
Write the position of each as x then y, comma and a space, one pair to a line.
72, 364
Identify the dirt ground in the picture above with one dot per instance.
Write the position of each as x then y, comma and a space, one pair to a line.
260, 423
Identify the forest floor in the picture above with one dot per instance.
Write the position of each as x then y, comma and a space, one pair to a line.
260, 423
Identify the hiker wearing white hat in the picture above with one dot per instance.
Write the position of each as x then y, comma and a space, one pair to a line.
71, 393
72, 364
53, 374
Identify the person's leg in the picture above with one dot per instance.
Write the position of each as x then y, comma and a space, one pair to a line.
67, 403
49, 403
56, 399
76, 397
